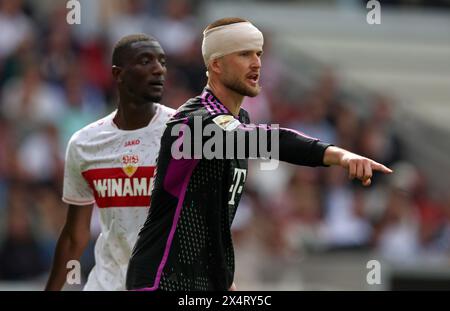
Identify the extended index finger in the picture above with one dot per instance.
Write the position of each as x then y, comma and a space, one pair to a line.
380, 167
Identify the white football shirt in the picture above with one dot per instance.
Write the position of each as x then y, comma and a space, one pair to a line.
113, 169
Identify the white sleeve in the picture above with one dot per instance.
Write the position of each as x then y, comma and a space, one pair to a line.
76, 190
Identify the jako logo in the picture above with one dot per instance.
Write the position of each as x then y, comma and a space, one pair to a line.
132, 142
74, 15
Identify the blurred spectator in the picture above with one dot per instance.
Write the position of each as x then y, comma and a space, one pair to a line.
10, 170
398, 232
314, 120
347, 126
86, 103
59, 56
15, 25
297, 211
20, 254
52, 214
441, 238
31, 100
175, 30
398, 241
377, 139
345, 225
6, 159
40, 156
187, 71
96, 65
130, 18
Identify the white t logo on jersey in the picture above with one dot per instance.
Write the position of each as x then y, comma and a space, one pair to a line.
238, 179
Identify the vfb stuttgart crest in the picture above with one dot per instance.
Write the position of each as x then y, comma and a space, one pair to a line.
130, 164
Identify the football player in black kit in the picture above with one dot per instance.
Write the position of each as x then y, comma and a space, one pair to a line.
185, 243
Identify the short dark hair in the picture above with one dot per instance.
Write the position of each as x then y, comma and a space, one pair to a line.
225, 21
121, 47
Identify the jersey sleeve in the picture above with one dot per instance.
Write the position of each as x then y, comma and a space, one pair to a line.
268, 142
76, 190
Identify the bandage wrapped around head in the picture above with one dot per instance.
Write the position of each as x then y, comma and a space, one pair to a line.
227, 39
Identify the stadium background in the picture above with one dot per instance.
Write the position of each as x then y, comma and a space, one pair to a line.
380, 90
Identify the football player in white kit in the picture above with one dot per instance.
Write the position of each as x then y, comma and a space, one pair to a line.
110, 164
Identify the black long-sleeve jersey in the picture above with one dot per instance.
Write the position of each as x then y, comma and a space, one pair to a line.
185, 243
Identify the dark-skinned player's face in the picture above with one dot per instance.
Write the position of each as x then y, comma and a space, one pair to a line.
143, 71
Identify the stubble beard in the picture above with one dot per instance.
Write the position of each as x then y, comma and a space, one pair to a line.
236, 85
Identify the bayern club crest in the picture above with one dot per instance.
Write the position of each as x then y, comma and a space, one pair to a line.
130, 164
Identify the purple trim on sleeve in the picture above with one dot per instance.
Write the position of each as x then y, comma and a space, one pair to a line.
298, 133
250, 127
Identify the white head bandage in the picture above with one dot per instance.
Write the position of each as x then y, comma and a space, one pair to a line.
227, 39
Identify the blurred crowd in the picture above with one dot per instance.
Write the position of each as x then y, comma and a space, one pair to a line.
55, 78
